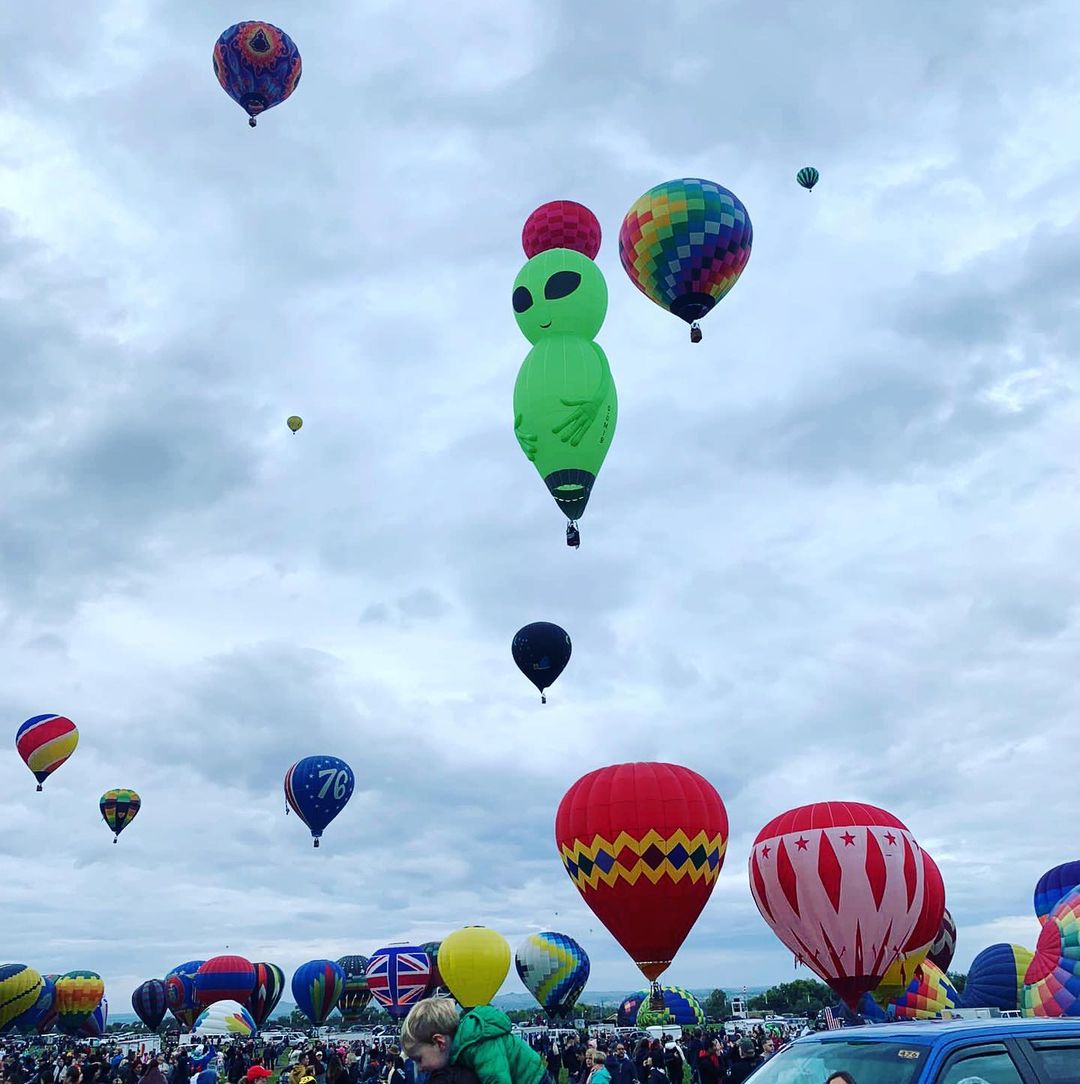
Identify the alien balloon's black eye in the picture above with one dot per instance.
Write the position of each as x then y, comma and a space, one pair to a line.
561, 284
522, 299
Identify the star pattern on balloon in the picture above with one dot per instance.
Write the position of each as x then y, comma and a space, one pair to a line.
802, 843
890, 839
849, 839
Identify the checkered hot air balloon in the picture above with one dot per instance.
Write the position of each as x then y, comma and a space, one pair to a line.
78, 994
148, 1001
118, 809
266, 993
45, 742
19, 989
224, 978
680, 1007
643, 844
257, 65
398, 977
562, 223
1052, 980
841, 884
356, 995
684, 245
928, 994
316, 989
554, 969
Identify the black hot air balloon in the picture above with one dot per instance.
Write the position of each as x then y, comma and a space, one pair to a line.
541, 651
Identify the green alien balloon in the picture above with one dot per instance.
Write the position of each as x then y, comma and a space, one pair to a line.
559, 292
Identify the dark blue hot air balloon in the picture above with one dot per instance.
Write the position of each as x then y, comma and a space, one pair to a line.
316, 989
28, 1022
1054, 885
257, 65
995, 979
541, 651
317, 790
148, 1001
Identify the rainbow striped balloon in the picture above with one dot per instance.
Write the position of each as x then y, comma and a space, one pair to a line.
45, 742
684, 244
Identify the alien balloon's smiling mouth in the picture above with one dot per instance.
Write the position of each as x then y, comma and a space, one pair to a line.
548, 324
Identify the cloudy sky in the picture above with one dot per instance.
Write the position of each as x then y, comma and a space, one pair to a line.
832, 553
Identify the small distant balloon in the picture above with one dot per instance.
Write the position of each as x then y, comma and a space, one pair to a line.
294, 422
541, 651
257, 65
118, 809
45, 742
562, 223
808, 177
317, 789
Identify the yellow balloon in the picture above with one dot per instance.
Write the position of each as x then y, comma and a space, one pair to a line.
19, 989
473, 963
294, 422
895, 981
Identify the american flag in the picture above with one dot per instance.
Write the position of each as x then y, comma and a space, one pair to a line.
831, 1022
398, 976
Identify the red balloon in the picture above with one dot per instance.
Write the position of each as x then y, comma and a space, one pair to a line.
561, 224
842, 885
933, 908
644, 844
224, 978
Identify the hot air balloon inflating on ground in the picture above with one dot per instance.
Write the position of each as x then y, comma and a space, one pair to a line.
473, 962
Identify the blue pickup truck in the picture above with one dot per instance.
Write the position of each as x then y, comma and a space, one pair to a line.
931, 1052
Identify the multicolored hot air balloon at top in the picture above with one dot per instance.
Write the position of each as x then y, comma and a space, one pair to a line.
474, 962
808, 177
118, 809
45, 742
398, 976
841, 884
643, 843
19, 989
355, 995
562, 223
148, 1001
317, 789
995, 979
316, 989
78, 994
541, 651
1053, 886
680, 1007
224, 978
1052, 980
565, 404
266, 993
929, 993
684, 245
554, 969
180, 992
257, 65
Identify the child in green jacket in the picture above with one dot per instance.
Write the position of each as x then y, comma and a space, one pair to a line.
481, 1040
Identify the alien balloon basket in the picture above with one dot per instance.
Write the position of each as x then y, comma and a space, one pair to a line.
573, 535
695, 332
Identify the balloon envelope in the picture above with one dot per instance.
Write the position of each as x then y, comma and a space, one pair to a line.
180, 992
554, 969
294, 422
119, 808
807, 177
316, 989
317, 789
1053, 886
644, 844
684, 245
42, 1009
355, 995
20, 987
224, 1018
78, 994
436, 987
45, 742
474, 962
1052, 980
224, 978
562, 223
941, 951
680, 1007
257, 65
995, 979
148, 1001
93, 1027
266, 993
841, 884
929, 993
541, 651
398, 976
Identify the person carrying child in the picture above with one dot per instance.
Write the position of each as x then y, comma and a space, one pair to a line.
480, 1042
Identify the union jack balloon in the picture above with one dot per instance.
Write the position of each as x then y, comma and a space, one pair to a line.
398, 976
842, 885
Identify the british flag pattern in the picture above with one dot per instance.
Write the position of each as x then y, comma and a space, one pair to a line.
398, 976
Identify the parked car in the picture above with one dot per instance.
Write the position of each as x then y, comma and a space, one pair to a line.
998, 1051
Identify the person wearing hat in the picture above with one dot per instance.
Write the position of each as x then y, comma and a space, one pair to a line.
746, 1061
257, 1072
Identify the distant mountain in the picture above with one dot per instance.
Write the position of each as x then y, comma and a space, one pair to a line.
516, 1001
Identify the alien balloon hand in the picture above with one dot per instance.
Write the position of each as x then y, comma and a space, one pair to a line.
579, 422
528, 441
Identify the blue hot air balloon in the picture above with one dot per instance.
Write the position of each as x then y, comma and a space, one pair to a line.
317, 790
257, 65
995, 979
28, 1022
1054, 885
554, 969
316, 988
148, 1001
541, 651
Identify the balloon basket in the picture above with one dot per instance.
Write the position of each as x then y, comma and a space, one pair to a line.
543, 699
251, 122
39, 786
656, 998
316, 843
695, 332
573, 535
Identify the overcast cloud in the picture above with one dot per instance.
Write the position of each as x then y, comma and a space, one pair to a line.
832, 553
